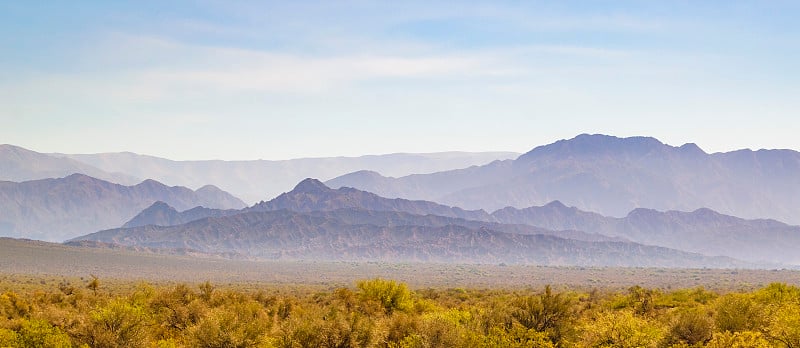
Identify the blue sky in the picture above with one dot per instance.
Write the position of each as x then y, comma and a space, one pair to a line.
275, 80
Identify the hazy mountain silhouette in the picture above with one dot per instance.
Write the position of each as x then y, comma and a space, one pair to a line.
58, 209
703, 231
19, 164
246, 179
310, 236
612, 176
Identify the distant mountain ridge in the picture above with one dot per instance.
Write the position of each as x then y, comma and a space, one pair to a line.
612, 176
702, 231
18, 164
246, 179
58, 209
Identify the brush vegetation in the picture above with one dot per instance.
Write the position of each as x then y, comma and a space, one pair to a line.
377, 312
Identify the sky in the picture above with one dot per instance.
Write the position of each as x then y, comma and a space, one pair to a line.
288, 79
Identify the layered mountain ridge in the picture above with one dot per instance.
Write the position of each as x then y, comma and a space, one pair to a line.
244, 179
590, 200
612, 176
702, 231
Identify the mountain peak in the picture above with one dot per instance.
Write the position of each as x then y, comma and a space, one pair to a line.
595, 144
692, 148
556, 204
310, 185
151, 184
209, 189
160, 205
642, 212
83, 178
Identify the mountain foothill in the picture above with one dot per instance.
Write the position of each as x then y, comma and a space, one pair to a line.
593, 200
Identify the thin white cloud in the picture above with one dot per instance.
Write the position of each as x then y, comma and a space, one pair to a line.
146, 67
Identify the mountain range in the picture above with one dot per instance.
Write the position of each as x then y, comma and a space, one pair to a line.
702, 231
291, 235
611, 176
590, 200
62, 208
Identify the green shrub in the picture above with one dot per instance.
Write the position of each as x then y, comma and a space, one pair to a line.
118, 324
238, 325
738, 312
620, 329
9, 338
744, 339
391, 295
550, 313
40, 334
690, 326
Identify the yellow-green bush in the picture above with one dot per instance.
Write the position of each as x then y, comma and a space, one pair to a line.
393, 296
383, 313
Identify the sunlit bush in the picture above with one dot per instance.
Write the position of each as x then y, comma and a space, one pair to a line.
393, 296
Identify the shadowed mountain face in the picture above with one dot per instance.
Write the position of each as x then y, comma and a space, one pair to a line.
703, 231
245, 179
291, 235
612, 176
58, 209
18, 164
